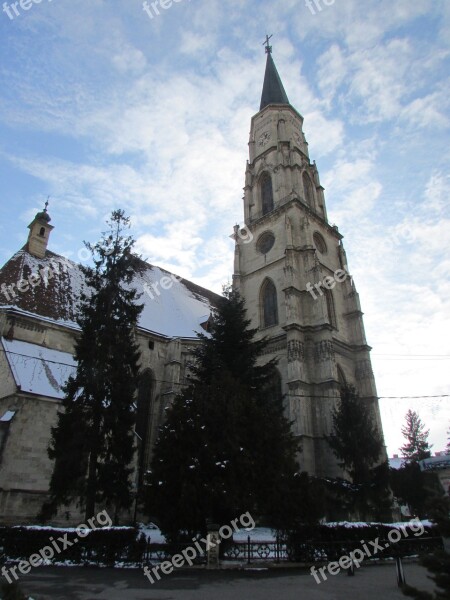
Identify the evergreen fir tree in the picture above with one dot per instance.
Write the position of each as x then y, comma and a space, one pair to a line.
355, 441
438, 563
417, 446
410, 486
11, 591
357, 444
225, 447
92, 443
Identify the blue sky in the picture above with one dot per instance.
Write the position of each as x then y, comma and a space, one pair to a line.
103, 107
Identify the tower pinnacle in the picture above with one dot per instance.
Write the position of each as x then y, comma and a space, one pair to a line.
40, 229
273, 90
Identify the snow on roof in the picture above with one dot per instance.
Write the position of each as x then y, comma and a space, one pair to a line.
54, 285
7, 416
435, 462
38, 370
367, 524
173, 307
174, 312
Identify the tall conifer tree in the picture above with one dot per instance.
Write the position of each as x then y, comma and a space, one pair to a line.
410, 484
92, 443
357, 444
225, 447
417, 446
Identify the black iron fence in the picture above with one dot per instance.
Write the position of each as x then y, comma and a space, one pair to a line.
116, 547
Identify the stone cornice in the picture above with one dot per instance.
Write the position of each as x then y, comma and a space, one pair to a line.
284, 205
350, 349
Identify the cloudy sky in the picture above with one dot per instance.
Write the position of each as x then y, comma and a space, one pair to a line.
105, 106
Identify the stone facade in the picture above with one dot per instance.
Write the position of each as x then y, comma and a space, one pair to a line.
25, 468
289, 256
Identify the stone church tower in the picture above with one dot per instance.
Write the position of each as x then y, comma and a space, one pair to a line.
291, 268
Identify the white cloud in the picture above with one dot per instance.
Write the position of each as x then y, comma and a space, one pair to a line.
129, 59
333, 69
324, 135
194, 43
427, 111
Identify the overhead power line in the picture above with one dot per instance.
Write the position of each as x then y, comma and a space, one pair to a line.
379, 397
407, 355
185, 383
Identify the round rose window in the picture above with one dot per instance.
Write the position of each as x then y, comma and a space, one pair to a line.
265, 242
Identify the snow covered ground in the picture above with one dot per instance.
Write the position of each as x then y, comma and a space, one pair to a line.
265, 534
258, 534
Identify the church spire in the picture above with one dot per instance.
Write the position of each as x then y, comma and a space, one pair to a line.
273, 90
40, 229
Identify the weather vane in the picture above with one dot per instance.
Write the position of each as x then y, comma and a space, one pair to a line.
267, 45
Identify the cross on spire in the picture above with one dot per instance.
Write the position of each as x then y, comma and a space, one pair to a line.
267, 44
46, 203
273, 90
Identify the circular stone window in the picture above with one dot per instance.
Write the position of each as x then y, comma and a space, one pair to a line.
265, 242
319, 242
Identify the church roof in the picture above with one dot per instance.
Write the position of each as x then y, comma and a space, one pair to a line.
55, 285
38, 370
273, 90
173, 307
43, 216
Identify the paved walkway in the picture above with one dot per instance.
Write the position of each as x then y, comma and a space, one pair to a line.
370, 583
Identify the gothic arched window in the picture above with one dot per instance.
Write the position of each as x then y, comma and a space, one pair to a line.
319, 243
42, 231
308, 190
330, 308
269, 304
266, 193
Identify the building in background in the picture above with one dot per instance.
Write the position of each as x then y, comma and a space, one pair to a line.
439, 464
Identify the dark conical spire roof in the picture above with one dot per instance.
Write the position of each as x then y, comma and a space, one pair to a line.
43, 215
273, 90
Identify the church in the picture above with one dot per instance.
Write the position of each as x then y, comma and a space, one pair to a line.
289, 265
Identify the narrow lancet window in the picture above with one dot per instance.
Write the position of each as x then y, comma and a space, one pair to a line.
266, 194
308, 190
269, 304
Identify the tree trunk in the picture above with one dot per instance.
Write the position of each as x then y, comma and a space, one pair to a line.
91, 486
